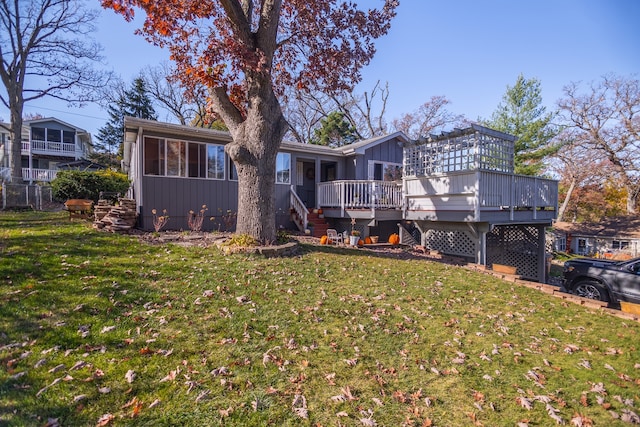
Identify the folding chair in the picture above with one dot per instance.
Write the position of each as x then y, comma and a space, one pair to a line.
334, 237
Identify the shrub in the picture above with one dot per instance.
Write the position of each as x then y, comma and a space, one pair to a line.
77, 184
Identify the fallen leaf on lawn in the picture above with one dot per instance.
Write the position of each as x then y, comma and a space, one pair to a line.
104, 420
202, 395
42, 390
170, 377
342, 414
579, 420
79, 397
52, 422
368, 422
524, 402
130, 376
630, 417
583, 400
107, 329
104, 390
225, 412
154, 403
57, 368
299, 406
78, 365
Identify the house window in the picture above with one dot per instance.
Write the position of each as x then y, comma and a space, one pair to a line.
54, 135
620, 244
582, 247
176, 158
283, 168
38, 134
68, 137
215, 163
385, 171
197, 160
154, 156
561, 243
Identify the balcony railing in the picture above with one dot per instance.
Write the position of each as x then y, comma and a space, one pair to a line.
360, 194
45, 175
52, 148
517, 191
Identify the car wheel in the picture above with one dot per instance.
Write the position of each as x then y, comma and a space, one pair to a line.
591, 290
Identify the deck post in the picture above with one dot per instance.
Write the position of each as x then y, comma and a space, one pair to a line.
535, 198
512, 196
342, 198
542, 255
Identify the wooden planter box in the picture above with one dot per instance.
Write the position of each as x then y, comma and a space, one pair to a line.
506, 269
629, 307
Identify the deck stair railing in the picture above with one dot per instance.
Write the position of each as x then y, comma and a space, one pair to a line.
299, 211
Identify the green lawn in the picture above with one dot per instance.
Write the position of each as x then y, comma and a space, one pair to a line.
100, 329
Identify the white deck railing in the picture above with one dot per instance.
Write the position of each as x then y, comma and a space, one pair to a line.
299, 208
48, 147
360, 194
45, 175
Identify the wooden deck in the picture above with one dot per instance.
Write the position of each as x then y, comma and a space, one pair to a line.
470, 196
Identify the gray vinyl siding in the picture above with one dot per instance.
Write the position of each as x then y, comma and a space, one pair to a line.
179, 195
389, 152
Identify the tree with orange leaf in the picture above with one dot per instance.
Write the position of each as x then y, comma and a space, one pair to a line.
246, 52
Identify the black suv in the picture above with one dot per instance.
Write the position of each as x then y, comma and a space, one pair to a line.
604, 280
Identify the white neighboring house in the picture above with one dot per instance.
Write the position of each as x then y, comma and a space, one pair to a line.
46, 143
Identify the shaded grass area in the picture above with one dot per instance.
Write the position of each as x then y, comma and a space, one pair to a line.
100, 328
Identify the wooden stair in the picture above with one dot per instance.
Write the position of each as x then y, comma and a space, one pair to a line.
320, 225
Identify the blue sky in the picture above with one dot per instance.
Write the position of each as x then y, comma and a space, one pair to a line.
465, 50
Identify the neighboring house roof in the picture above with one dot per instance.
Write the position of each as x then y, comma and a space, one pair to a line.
618, 227
52, 119
81, 165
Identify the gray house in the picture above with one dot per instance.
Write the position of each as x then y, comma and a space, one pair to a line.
455, 192
180, 168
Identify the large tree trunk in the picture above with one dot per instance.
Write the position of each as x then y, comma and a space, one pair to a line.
254, 150
15, 157
565, 202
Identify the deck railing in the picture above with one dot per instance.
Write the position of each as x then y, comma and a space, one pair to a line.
299, 209
49, 147
516, 191
360, 194
45, 175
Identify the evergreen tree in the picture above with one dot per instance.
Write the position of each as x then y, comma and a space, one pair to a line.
522, 115
334, 131
134, 102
